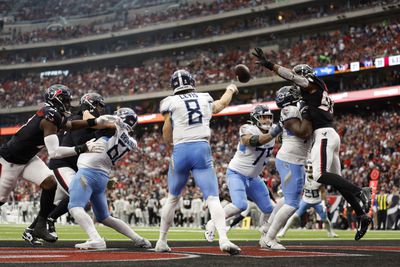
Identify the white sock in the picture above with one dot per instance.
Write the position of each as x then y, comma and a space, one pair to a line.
280, 219
264, 222
328, 225
167, 216
277, 207
289, 223
85, 221
121, 227
230, 211
217, 216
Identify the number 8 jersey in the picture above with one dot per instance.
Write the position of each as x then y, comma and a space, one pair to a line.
190, 115
248, 160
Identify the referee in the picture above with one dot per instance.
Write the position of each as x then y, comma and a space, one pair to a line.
382, 202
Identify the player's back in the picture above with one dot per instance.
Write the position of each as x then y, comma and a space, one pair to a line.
249, 160
190, 114
294, 149
116, 147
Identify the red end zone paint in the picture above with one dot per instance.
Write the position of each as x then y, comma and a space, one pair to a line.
24, 255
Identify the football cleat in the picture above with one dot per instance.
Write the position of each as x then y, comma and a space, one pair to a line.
142, 243
265, 242
29, 238
228, 247
162, 246
52, 228
40, 231
365, 197
332, 235
92, 244
363, 224
209, 233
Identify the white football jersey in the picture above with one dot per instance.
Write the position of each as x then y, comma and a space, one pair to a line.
311, 191
294, 149
190, 114
248, 160
116, 147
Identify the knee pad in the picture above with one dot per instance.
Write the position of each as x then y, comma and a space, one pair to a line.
242, 204
267, 209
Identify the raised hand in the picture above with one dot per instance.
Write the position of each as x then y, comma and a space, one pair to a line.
262, 60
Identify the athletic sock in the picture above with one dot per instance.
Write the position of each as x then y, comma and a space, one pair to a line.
167, 216
121, 227
33, 224
280, 220
46, 202
289, 223
237, 220
60, 210
85, 222
217, 216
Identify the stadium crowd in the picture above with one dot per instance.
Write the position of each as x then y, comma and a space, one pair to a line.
209, 66
368, 141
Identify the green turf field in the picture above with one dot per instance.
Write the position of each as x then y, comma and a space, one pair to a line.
13, 232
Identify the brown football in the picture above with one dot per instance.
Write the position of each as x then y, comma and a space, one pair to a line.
243, 73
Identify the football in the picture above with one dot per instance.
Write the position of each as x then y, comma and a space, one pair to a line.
243, 73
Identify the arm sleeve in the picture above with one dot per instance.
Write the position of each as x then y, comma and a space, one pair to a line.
55, 150
289, 75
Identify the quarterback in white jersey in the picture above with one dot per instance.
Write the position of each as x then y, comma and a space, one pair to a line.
312, 198
187, 116
244, 181
91, 180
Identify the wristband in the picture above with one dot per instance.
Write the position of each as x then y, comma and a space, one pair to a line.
91, 122
275, 131
255, 140
81, 149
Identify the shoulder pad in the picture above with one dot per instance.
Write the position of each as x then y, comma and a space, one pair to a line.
247, 129
52, 115
290, 112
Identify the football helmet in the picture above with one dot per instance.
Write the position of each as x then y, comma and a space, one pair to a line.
59, 97
128, 116
287, 95
93, 102
303, 70
257, 112
309, 170
182, 80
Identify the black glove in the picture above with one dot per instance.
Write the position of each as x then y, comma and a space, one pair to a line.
262, 60
276, 129
304, 110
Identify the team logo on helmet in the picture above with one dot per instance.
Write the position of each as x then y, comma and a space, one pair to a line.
59, 97
182, 80
93, 102
287, 95
257, 112
128, 117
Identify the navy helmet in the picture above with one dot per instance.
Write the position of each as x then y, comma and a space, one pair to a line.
257, 112
182, 80
287, 95
93, 102
128, 116
59, 97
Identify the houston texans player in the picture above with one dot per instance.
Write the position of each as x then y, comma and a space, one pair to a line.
326, 141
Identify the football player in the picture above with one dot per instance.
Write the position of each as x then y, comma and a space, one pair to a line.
187, 115
313, 193
244, 181
90, 183
325, 149
18, 155
91, 106
289, 162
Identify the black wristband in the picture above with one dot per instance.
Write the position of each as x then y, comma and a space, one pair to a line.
255, 140
91, 122
81, 149
269, 65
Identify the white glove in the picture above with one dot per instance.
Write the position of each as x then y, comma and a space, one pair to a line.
232, 88
106, 120
95, 146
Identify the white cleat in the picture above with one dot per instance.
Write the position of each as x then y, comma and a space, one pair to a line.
209, 233
332, 235
270, 244
228, 247
92, 244
142, 243
162, 246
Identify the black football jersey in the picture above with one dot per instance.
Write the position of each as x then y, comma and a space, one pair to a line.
187, 203
319, 103
71, 139
29, 139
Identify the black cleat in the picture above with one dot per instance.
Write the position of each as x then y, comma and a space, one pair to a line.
52, 228
365, 197
40, 231
363, 224
29, 238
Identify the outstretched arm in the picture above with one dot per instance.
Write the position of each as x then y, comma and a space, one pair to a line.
283, 72
225, 99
